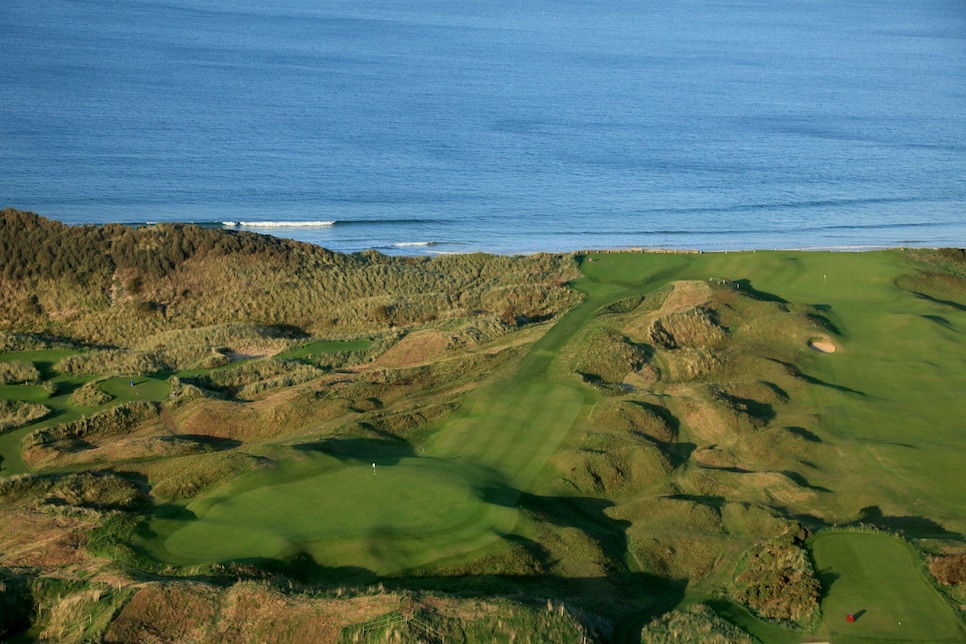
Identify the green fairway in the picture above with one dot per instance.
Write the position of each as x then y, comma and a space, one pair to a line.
876, 387
455, 497
27, 393
325, 346
876, 578
414, 498
128, 388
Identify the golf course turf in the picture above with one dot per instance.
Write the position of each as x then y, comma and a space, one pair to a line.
876, 579
828, 393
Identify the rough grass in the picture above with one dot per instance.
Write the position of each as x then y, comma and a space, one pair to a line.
683, 453
16, 413
18, 371
90, 395
694, 623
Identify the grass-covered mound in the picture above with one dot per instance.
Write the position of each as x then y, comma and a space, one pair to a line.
17, 413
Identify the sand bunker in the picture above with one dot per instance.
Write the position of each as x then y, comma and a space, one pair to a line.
822, 345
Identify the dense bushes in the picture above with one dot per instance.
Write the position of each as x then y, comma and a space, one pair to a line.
778, 581
90, 395
694, 623
115, 420
18, 371
180, 349
257, 376
99, 491
15, 413
949, 570
119, 284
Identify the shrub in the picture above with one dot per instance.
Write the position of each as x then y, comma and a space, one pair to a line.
115, 420
697, 328
778, 581
251, 378
17, 371
694, 623
15, 413
90, 395
949, 570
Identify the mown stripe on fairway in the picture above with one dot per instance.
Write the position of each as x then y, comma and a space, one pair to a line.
876, 578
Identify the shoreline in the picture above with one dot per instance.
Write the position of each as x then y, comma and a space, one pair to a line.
321, 233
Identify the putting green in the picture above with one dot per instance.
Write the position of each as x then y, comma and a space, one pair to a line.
876, 578
411, 499
456, 497
144, 388
26, 393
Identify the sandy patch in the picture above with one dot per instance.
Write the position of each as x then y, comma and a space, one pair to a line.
415, 349
250, 352
822, 345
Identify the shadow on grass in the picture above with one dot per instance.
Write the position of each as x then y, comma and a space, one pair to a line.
938, 319
795, 372
826, 578
910, 526
714, 502
949, 303
744, 286
804, 434
303, 568
822, 321
643, 596
677, 454
758, 411
361, 450
801, 481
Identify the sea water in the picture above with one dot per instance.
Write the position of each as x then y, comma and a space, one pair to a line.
439, 126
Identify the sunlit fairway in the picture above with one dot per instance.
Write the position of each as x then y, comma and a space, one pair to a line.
325, 346
129, 388
886, 403
456, 496
883, 395
399, 507
876, 578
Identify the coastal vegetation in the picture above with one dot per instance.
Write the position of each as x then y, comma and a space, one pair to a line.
214, 436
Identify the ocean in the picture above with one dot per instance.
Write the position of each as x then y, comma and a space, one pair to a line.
432, 126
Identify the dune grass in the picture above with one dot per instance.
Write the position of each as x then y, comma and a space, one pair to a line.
870, 393
882, 413
875, 577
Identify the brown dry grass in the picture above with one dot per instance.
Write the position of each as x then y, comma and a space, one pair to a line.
684, 296
165, 613
220, 419
35, 539
417, 348
251, 613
